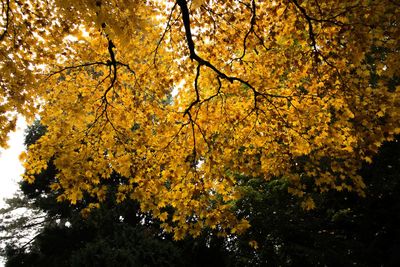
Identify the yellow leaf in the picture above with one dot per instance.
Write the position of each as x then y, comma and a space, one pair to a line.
280, 10
197, 3
253, 244
368, 159
163, 216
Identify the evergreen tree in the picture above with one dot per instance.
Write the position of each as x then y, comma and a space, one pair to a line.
343, 229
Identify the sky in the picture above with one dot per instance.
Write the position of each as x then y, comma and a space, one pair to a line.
10, 167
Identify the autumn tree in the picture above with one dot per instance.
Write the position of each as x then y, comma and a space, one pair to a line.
52, 233
180, 97
342, 230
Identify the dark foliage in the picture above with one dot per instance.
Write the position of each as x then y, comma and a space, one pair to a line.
344, 229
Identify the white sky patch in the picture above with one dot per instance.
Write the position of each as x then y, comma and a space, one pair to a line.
177, 88
10, 166
70, 38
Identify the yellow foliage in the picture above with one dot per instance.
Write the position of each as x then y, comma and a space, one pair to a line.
253, 244
179, 99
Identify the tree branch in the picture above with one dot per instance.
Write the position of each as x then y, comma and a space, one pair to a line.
189, 39
8, 10
113, 65
310, 28
163, 35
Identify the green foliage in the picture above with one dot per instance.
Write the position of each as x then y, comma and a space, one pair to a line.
34, 132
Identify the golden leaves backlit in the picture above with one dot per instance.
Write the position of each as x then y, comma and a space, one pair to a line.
300, 90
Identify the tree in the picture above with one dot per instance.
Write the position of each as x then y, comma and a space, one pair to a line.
343, 229
180, 97
60, 236
52, 233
